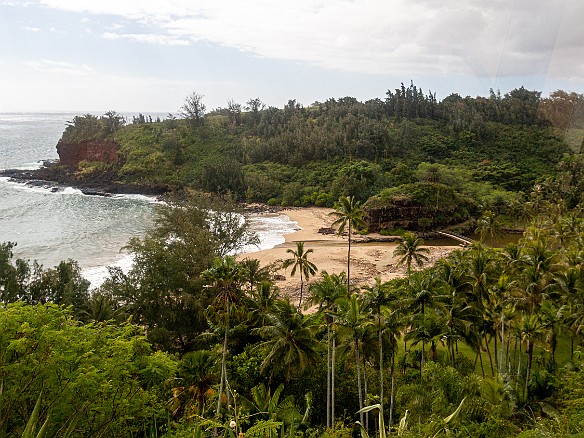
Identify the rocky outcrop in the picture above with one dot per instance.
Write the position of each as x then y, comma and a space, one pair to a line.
71, 154
418, 207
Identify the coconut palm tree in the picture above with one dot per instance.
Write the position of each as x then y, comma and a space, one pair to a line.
261, 302
289, 339
299, 261
531, 330
254, 273
420, 291
348, 214
488, 225
325, 293
353, 326
225, 276
377, 296
429, 329
197, 372
410, 250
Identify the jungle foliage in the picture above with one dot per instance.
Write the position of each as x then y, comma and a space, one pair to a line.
312, 155
192, 342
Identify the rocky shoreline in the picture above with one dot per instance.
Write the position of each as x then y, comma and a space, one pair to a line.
51, 176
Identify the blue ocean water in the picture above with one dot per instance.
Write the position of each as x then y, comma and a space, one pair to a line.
50, 227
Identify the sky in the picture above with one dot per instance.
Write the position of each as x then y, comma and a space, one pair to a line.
147, 56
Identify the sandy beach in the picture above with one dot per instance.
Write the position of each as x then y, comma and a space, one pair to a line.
368, 259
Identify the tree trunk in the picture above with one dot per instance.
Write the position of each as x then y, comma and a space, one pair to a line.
380, 360
333, 383
349, 264
490, 357
328, 377
301, 289
495, 353
365, 395
359, 379
223, 384
391, 396
529, 362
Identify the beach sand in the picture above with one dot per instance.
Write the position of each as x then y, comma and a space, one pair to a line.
368, 260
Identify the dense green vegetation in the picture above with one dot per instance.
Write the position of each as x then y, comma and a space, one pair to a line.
191, 342
490, 150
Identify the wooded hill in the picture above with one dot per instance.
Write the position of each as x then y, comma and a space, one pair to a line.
489, 150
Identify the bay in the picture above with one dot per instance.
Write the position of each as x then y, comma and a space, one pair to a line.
50, 227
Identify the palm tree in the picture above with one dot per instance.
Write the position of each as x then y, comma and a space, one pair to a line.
262, 301
531, 330
326, 292
348, 214
377, 296
197, 370
422, 289
289, 339
102, 307
254, 272
225, 276
429, 329
269, 406
488, 225
299, 261
353, 327
410, 250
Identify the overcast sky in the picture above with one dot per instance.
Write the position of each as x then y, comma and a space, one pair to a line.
147, 55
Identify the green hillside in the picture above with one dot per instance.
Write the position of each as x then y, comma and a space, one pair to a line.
491, 150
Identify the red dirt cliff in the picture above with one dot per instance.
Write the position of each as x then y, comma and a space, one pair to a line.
70, 154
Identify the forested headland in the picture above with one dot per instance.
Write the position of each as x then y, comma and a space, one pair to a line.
193, 342
490, 151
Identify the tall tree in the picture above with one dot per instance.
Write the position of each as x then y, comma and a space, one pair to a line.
225, 276
194, 109
348, 214
299, 261
375, 298
353, 326
325, 293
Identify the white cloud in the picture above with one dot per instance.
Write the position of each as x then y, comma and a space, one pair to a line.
31, 29
484, 39
147, 38
60, 67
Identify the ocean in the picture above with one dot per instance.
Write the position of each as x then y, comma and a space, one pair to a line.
92, 230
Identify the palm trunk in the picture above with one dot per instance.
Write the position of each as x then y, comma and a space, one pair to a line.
480, 357
490, 357
365, 397
380, 361
333, 384
529, 362
359, 380
328, 377
392, 390
223, 384
496, 355
349, 264
301, 289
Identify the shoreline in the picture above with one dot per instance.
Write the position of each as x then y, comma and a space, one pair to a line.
371, 255
370, 258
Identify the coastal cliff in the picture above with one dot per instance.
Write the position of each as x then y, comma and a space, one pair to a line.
71, 154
